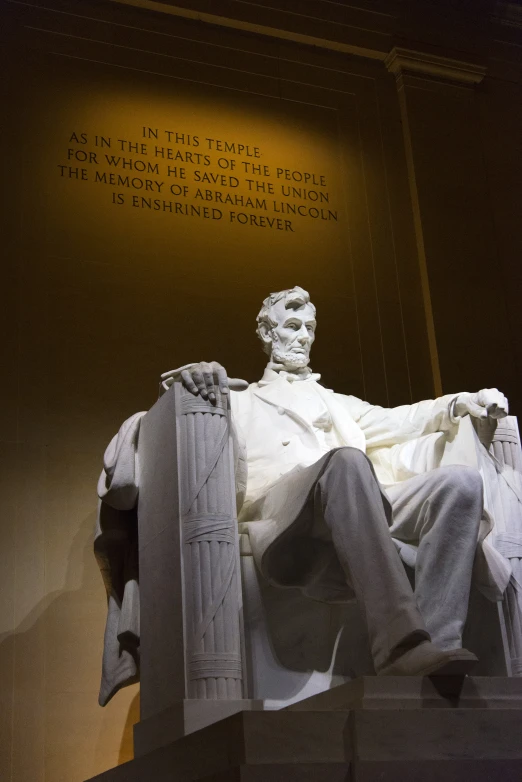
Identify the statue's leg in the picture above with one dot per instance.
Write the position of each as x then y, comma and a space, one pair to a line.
441, 510
349, 502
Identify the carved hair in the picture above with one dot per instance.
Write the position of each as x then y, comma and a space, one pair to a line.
294, 298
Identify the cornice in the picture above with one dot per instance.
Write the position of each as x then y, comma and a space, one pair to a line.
509, 14
400, 61
257, 28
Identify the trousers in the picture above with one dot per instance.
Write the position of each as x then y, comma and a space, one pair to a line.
439, 511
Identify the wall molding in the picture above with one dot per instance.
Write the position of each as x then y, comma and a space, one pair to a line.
258, 29
400, 61
509, 14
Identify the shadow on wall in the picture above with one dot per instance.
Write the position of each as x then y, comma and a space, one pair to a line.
127, 741
57, 730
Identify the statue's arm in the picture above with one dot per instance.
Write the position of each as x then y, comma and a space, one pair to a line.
389, 426
386, 426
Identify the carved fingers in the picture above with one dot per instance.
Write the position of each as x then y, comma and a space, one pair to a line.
188, 382
221, 377
205, 378
494, 402
202, 378
487, 403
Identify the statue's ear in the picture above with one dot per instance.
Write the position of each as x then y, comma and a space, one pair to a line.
265, 334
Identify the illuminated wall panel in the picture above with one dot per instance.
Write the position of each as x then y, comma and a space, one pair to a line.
112, 277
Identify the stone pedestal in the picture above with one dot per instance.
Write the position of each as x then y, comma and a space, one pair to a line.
419, 693
184, 717
386, 729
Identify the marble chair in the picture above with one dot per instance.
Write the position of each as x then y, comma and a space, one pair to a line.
215, 638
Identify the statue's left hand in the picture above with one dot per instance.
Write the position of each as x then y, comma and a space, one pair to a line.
488, 403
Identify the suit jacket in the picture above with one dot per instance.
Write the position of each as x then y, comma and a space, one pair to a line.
275, 428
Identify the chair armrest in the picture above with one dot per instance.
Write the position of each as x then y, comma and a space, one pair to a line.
502, 439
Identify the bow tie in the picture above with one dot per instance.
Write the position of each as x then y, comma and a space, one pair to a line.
293, 378
271, 375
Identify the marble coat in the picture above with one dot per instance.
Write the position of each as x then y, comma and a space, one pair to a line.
275, 427
284, 425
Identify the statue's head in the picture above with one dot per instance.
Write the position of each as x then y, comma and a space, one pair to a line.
286, 327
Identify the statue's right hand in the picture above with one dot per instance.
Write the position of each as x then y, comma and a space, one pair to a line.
204, 379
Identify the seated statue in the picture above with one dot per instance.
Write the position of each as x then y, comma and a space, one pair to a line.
321, 497
329, 487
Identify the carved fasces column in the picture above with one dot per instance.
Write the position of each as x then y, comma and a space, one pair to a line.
209, 547
190, 590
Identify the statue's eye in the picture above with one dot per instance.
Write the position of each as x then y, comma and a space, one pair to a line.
293, 326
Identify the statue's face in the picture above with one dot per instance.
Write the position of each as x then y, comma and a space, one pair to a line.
293, 336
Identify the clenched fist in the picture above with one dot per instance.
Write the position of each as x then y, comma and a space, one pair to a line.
488, 403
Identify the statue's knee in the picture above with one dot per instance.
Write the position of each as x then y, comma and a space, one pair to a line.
349, 459
465, 482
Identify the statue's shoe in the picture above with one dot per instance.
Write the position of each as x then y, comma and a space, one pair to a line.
426, 659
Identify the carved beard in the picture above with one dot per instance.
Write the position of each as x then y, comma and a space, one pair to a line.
289, 359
